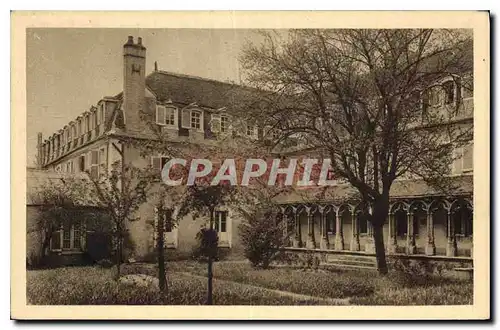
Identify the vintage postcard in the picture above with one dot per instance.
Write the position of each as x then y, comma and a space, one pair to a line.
235, 165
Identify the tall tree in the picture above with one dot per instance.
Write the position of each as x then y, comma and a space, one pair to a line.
365, 100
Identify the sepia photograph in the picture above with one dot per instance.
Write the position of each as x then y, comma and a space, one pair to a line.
287, 166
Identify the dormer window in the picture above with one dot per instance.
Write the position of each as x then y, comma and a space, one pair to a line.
449, 92
87, 124
224, 124
166, 116
196, 119
251, 131
101, 113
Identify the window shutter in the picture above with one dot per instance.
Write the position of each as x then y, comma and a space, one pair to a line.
160, 115
156, 163
457, 160
468, 156
215, 123
88, 161
186, 118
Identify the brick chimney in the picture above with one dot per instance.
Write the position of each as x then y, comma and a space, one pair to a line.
134, 82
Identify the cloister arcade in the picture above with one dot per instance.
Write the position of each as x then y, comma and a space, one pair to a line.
430, 226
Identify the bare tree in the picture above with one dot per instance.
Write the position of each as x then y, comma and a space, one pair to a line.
361, 99
121, 191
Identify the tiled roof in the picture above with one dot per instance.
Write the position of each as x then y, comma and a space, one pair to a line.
186, 89
462, 185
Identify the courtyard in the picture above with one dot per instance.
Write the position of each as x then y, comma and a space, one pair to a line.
237, 283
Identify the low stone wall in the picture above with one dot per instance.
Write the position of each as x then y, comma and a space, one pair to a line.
453, 267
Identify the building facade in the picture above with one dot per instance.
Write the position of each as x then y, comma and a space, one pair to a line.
191, 109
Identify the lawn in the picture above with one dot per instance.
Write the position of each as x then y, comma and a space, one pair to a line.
95, 286
363, 288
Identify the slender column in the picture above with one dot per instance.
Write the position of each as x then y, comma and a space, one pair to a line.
355, 246
410, 234
310, 244
324, 244
296, 241
392, 244
370, 242
285, 229
430, 248
339, 233
451, 246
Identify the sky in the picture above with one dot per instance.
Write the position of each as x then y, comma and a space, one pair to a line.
69, 70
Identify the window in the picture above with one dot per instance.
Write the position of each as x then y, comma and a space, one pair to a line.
449, 92
463, 159
220, 221
166, 116
102, 160
468, 157
69, 167
166, 216
87, 123
80, 130
101, 113
81, 163
251, 131
67, 237
63, 139
159, 162
169, 229
95, 119
224, 124
434, 95
68, 137
94, 164
196, 120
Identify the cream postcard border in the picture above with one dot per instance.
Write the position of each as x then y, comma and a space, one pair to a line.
479, 21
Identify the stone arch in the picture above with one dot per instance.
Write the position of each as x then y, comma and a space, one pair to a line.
398, 206
461, 217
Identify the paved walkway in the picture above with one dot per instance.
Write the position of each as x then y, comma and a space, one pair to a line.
330, 301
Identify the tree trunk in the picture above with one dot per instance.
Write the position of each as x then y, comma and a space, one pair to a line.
118, 257
161, 253
210, 261
378, 237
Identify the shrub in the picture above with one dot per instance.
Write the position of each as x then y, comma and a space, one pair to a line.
262, 237
206, 245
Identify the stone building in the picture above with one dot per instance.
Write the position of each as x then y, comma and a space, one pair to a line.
421, 221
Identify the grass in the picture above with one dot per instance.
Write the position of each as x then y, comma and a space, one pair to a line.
363, 288
95, 286
319, 284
